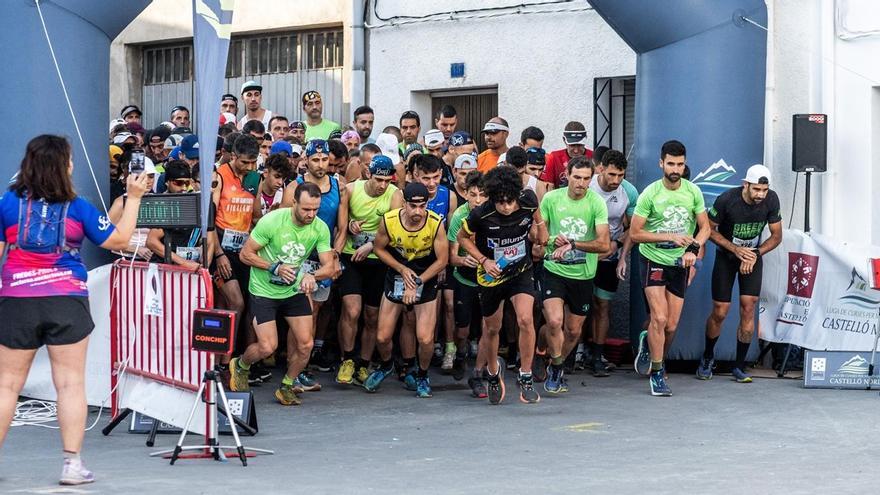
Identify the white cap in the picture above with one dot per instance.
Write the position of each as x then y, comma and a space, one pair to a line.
122, 136
495, 127
433, 138
757, 172
466, 161
114, 123
297, 149
149, 166
388, 144
227, 117
170, 126
502, 159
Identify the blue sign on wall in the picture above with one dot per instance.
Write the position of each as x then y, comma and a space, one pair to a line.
456, 70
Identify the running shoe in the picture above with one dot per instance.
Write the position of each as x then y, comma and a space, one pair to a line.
372, 382
437, 357
305, 382
360, 377
409, 380
642, 363
345, 375
659, 387
704, 370
238, 380
260, 373
75, 473
286, 395
599, 368
478, 387
423, 389
527, 392
459, 368
741, 376
608, 364
320, 360
496, 384
539, 367
555, 383
580, 359
448, 361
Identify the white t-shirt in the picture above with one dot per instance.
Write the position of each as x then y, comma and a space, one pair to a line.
267, 116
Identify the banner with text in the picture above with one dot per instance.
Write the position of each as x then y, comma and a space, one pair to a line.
816, 295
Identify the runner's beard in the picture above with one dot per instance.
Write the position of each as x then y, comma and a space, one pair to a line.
673, 177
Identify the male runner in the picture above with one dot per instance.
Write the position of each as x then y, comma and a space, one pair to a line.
427, 170
412, 242
577, 220
332, 195
233, 203
620, 198
664, 218
464, 280
738, 218
499, 235
275, 251
363, 273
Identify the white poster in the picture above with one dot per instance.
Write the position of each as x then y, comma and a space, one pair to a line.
816, 295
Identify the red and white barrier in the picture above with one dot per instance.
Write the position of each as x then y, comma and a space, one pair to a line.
154, 370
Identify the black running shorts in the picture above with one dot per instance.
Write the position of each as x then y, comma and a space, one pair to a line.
32, 322
674, 278
467, 298
726, 270
428, 290
492, 297
577, 294
266, 309
365, 278
606, 281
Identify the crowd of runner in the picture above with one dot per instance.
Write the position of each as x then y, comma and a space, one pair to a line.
375, 257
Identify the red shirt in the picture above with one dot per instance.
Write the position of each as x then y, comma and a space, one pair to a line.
557, 166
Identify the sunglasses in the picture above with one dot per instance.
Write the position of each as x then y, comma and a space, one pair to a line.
181, 182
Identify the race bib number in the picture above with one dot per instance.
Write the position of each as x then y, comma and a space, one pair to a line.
511, 253
189, 253
361, 239
669, 245
399, 287
748, 243
574, 257
233, 240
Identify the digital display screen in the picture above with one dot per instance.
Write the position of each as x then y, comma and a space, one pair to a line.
212, 323
169, 211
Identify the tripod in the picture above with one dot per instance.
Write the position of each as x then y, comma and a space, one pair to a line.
211, 386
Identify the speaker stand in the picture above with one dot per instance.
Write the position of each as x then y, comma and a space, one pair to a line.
808, 175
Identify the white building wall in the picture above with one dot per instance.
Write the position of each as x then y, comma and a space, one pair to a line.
171, 20
813, 69
543, 61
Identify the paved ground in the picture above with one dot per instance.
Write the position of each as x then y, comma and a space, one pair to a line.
608, 436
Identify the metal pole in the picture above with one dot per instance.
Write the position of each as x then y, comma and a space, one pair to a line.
807, 203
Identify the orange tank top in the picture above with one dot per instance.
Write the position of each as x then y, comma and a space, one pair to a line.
236, 207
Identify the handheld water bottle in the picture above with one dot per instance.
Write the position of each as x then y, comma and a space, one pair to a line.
503, 262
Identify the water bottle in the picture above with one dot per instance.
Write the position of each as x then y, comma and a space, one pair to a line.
503, 262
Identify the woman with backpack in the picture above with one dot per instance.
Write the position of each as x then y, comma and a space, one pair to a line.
44, 296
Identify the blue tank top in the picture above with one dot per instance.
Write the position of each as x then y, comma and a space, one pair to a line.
440, 203
329, 203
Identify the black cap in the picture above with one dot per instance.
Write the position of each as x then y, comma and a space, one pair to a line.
415, 192
229, 97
